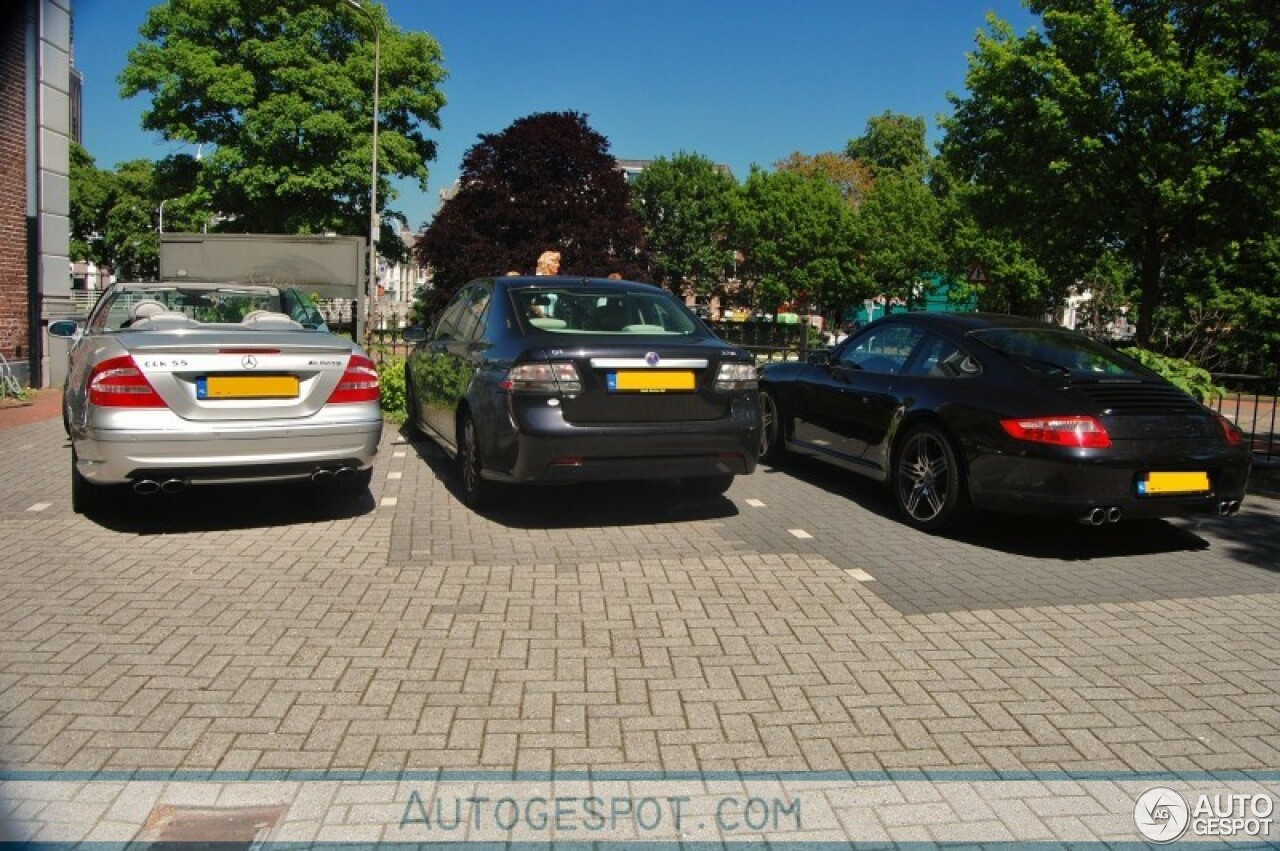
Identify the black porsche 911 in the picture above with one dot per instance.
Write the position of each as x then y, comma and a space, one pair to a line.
957, 411
560, 379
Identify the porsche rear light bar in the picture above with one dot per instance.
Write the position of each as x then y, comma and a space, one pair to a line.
1234, 436
118, 383
1078, 432
359, 383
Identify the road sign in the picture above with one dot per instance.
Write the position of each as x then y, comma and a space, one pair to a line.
977, 274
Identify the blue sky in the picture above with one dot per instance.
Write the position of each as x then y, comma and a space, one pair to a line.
745, 82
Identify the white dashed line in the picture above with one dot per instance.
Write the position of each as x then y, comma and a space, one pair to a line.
800, 533
388, 501
755, 503
395, 475
40, 506
860, 574
399, 453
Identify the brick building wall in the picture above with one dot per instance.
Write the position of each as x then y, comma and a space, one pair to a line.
14, 272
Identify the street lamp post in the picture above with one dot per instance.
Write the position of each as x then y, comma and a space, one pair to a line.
162, 203
361, 311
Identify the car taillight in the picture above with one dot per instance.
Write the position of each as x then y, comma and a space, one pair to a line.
359, 383
736, 376
1233, 435
558, 377
1080, 432
118, 383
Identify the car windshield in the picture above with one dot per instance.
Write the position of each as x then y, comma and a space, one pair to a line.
205, 304
1059, 352
576, 311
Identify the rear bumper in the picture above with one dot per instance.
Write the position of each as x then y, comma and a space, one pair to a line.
545, 448
265, 452
1074, 487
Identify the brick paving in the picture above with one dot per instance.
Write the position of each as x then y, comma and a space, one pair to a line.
619, 628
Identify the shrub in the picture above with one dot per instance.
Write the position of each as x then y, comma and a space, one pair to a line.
1190, 378
391, 383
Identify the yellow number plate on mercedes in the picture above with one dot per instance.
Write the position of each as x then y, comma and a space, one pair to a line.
248, 387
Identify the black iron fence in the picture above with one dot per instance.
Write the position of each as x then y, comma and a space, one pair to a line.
1250, 403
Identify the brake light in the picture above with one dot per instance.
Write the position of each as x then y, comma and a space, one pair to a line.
736, 376
1233, 435
359, 383
558, 377
118, 383
1079, 432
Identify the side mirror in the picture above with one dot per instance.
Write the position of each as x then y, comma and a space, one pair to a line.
821, 358
413, 334
67, 328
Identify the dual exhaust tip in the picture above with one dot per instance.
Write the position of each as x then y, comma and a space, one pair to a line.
1111, 514
1102, 514
328, 475
149, 487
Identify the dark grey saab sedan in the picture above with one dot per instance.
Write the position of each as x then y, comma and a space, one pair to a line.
560, 379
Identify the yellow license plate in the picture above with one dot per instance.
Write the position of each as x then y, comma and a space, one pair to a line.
651, 381
1174, 483
250, 387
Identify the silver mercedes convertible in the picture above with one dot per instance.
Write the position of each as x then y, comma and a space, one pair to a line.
172, 385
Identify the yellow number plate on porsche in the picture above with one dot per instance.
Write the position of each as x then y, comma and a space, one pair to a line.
650, 381
247, 387
1157, 483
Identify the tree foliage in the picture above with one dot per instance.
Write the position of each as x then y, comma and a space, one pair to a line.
1147, 129
280, 93
546, 182
797, 240
852, 177
115, 215
893, 143
684, 204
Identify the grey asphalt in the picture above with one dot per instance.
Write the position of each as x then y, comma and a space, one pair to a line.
793, 625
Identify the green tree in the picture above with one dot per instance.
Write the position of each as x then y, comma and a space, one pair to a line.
852, 177
796, 237
280, 94
90, 194
893, 143
684, 203
546, 182
1145, 128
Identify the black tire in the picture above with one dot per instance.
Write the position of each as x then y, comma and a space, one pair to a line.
85, 496
472, 488
411, 429
928, 481
707, 486
773, 438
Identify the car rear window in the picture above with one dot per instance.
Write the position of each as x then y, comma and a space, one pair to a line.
1063, 352
574, 311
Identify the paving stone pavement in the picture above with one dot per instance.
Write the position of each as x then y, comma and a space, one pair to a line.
794, 625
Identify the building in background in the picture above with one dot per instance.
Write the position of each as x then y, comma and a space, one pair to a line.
39, 116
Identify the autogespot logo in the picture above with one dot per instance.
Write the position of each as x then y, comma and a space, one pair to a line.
1161, 814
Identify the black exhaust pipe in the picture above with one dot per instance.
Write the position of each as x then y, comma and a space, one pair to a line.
1113, 514
172, 486
1095, 516
146, 487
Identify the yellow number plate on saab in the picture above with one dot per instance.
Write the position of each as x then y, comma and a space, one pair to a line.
650, 381
248, 387
1155, 483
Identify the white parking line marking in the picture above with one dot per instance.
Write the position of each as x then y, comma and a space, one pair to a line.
860, 574
800, 533
388, 501
755, 503
395, 475
399, 453
40, 506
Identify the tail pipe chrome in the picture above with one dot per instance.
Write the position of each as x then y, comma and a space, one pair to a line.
329, 475
1102, 514
1228, 507
146, 487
